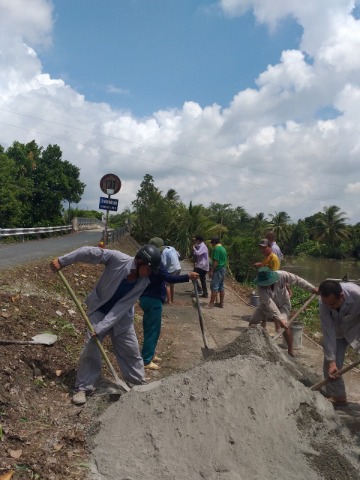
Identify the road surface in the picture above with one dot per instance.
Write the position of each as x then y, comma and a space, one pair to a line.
15, 254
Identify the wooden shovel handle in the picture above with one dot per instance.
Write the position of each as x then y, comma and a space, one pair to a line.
91, 328
341, 372
17, 342
295, 316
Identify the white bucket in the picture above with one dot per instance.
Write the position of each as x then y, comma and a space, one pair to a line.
297, 329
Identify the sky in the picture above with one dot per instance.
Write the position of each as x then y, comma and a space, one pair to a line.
244, 102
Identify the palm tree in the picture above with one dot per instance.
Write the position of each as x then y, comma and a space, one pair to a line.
330, 226
190, 221
280, 225
258, 225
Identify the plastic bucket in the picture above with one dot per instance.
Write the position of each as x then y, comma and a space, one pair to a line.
254, 300
297, 333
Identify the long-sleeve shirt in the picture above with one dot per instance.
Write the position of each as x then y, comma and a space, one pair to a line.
344, 323
201, 254
118, 266
276, 249
276, 296
157, 286
170, 258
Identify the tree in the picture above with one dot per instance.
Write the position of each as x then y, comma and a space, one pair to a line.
299, 235
191, 221
44, 182
258, 225
280, 224
235, 220
10, 205
330, 226
73, 188
151, 214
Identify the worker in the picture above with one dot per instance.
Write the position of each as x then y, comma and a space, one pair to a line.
111, 311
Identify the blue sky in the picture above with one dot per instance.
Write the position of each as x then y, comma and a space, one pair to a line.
248, 102
150, 55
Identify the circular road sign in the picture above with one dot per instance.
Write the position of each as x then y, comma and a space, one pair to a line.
110, 184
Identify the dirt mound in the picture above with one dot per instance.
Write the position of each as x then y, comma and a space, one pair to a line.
237, 417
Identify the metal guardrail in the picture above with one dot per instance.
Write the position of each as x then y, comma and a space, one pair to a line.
81, 221
78, 223
21, 232
115, 235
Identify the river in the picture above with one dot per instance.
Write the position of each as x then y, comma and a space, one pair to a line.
315, 270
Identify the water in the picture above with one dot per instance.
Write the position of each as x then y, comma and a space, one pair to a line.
315, 270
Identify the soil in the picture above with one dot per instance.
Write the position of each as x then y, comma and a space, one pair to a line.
44, 436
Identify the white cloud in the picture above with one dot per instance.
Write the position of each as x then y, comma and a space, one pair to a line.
267, 151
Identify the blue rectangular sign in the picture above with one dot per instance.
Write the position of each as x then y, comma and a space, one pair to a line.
108, 204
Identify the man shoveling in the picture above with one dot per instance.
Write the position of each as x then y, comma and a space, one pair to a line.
111, 311
275, 301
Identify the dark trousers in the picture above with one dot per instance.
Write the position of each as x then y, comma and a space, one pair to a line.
152, 326
202, 275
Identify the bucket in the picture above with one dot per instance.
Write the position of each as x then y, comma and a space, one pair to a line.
254, 300
297, 331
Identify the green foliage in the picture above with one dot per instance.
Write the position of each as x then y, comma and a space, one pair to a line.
191, 221
280, 225
242, 254
33, 178
310, 317
329, 226
151, 211
309, 247
118, 220
259, 224
77, 212
227, 218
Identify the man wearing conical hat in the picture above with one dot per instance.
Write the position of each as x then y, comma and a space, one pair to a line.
275, 301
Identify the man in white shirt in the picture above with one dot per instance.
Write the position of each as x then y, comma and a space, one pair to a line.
170, 257
275, 301
340, 323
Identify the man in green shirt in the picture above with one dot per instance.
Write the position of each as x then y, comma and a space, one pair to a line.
217, 273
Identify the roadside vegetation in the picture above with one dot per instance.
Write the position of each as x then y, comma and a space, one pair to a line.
33, 176
154, 213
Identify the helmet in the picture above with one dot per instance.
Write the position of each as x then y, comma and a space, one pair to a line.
150, 255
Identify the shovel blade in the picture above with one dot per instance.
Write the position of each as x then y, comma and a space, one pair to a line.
207, 352
44, 339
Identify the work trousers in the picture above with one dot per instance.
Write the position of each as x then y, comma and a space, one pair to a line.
126, 349
337, 388
152, 308
202, 275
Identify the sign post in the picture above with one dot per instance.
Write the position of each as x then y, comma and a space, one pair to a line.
109, 184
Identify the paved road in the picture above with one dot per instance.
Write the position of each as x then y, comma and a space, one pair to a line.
18, 253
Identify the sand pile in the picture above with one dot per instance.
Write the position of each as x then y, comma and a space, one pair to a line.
237, 418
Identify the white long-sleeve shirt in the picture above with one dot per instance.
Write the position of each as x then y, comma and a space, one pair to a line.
118, 266
344, 323
276, 296
201, 254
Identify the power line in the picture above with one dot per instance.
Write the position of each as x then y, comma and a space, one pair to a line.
267, 172
96, 147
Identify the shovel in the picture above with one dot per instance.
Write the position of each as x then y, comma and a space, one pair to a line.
294, 317
206, 351
41, 339
317, 386
91, 328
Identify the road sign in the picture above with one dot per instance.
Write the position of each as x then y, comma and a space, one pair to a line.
108, 204
110, 184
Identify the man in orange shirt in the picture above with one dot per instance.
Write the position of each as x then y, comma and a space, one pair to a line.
271, 260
